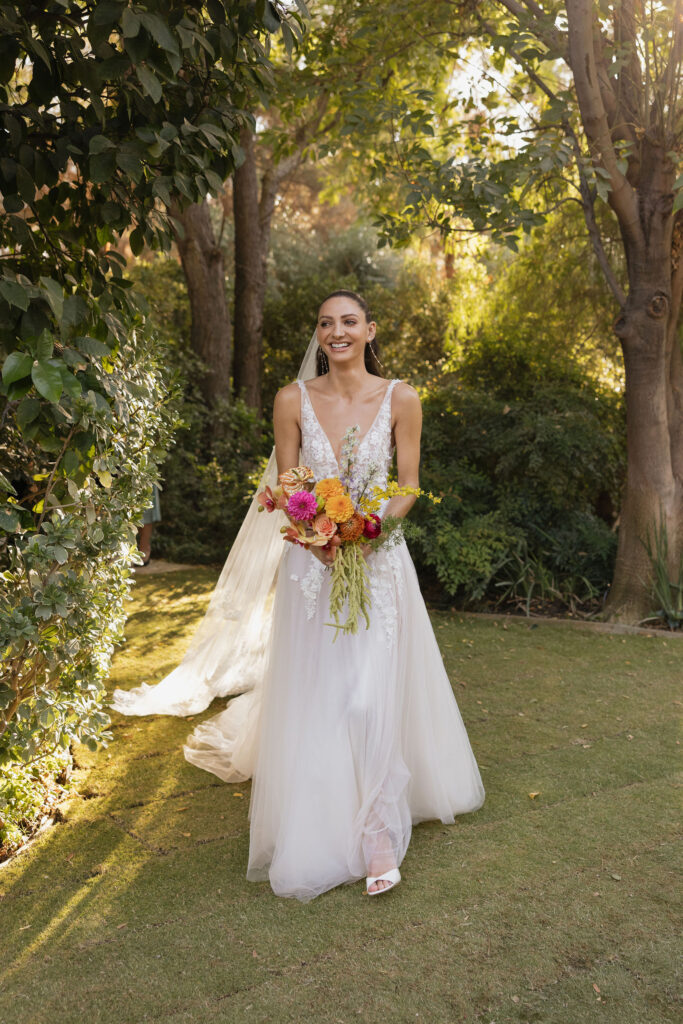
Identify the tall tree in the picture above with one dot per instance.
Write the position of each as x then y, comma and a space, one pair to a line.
256, 184
211, 328
602, 121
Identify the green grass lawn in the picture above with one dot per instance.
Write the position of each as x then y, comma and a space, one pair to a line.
557, 908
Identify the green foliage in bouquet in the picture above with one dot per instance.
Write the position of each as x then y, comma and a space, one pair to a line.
349, 587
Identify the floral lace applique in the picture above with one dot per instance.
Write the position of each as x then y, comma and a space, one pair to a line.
374, 452
387, 590
310, 586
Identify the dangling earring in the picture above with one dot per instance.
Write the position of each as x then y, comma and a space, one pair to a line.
374, 352
322, 358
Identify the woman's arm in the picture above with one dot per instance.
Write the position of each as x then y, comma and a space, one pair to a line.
286, 427
287, 430
407, 431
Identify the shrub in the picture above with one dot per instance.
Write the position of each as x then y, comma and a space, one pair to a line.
79, 475
529, 455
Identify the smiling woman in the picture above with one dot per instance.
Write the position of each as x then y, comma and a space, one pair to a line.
352, 738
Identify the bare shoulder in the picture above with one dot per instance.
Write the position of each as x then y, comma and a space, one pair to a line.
406, 398
287, 398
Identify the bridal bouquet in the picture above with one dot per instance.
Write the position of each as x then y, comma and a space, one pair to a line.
326, 514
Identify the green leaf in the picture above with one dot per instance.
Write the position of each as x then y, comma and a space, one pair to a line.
61, 554
9, 519
25, 184
99, 144
14, 293
75, 310
13, 203
160, 32
149, 82
102, 166
160, 188
106, 12
7, 695
131, 164
136, 240
130, 23
27, 411
71, 384
44, 345
55, 295
48, 381
91, 346
16, 367
678, 202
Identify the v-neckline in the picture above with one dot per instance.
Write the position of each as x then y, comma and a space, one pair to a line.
360, 441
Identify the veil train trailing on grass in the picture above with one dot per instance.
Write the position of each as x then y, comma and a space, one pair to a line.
228, 651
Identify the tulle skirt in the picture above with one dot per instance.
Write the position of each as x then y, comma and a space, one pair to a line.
350, 742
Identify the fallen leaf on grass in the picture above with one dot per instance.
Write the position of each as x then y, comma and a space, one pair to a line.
534, 795
119, 926
181, 808
187, 834
617, 878
70, 856
240, 795
596, 987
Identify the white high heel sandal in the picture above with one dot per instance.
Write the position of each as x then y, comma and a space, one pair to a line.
393, 876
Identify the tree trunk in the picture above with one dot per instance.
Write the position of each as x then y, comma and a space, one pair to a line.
250, 278
211, 335
254, 207
647, 330
614, 105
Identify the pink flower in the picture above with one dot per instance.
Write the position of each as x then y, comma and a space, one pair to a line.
373, 526
302, 506
266, 500
324, 526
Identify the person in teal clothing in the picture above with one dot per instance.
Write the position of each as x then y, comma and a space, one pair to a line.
150, 516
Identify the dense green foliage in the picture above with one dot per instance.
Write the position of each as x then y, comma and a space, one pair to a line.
528, 452
109, 113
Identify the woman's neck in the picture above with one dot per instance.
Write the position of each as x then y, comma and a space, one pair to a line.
348, 381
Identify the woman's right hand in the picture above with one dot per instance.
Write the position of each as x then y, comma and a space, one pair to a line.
325, 555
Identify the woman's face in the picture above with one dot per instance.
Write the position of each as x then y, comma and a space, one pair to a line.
343, 330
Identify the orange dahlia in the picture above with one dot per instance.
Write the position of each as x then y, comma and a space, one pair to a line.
330, 487
353, 528
339, 507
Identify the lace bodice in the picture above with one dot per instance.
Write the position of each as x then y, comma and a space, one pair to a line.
373, 453
371, 463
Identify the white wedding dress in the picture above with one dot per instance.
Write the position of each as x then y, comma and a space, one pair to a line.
350, 742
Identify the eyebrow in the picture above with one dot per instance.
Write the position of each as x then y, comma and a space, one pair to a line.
324, 316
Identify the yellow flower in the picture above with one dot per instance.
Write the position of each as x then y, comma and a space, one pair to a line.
339, 508
330, 487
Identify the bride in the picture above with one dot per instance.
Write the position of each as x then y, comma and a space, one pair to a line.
349, 741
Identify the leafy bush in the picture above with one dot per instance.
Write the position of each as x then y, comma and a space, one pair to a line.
79, 475
529, 455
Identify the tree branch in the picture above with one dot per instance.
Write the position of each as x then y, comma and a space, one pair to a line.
552, 38
582, 61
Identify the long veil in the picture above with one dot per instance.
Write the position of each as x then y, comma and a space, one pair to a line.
228, 651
